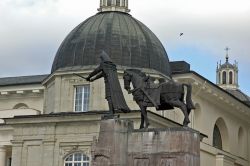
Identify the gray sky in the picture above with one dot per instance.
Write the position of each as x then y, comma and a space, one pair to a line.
32, 30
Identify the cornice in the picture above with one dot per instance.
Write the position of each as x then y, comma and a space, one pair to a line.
208, 90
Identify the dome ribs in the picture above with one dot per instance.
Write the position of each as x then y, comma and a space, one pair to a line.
116, 51
88, 50
159, 53
128, 42
145, 56
108, 33
120, 39
100, 38
127, 56
135, 59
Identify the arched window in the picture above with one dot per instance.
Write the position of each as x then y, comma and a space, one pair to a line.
217, 141
20, 106
220, 135
219, 79
224, 77
77, 159
230, 77
241, 142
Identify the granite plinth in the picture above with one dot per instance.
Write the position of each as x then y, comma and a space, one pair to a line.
120, 145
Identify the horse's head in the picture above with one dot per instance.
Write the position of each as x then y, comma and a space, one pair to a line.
127, 79
135, 76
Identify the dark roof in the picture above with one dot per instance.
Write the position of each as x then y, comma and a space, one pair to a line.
22, 80
193, 72
239, 94
127, 41
227, 65
179, 66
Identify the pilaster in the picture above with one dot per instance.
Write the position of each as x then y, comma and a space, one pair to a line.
222, 160
2, 155
17, 147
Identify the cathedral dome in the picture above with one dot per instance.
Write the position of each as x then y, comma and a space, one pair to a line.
127, 41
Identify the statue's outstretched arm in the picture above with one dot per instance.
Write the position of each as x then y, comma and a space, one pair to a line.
97, 76
95, 72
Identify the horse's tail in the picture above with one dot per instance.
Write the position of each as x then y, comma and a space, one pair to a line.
189, 102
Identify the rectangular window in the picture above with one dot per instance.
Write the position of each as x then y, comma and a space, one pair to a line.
109, 3
82, 98
117, 2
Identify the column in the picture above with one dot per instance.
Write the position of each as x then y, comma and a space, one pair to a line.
223, 160
2, 155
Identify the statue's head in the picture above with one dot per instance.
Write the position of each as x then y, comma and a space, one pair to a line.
105, 57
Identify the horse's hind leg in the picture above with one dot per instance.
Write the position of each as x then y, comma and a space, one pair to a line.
189, 102
183, 108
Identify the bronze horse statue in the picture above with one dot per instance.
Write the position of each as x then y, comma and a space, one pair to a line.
162, 96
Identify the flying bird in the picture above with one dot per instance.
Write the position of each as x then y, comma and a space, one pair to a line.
181, 34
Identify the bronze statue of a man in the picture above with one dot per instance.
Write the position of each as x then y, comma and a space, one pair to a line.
113, 91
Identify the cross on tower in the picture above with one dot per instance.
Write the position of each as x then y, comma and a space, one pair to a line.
227, 50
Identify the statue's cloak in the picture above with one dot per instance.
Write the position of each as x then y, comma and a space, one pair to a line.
113, 87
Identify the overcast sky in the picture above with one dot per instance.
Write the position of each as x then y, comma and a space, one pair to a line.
32, 30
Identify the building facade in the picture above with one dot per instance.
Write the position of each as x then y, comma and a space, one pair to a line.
53, 119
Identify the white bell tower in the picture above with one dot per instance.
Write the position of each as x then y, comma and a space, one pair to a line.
227, 74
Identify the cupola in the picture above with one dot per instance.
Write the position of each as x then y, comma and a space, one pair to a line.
114, 5
227, 74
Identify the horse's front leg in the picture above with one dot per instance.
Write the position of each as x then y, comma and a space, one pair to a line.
142, 121
144, 116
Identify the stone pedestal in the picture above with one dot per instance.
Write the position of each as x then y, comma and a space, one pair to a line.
120, 145
168, 147
111, 147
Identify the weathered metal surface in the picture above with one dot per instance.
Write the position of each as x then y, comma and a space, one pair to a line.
125, 39
113, 91
163, 96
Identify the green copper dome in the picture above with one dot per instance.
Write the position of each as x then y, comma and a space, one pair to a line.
127, 41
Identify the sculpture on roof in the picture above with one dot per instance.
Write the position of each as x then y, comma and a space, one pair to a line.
114, 96
162, 96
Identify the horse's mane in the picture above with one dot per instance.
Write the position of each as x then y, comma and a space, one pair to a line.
136, 71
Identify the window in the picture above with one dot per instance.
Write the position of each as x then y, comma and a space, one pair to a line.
242, 142
219, 79
224, 77
230, 77
109, 3
117, 2
20, 106
82, 98
217, 141
77, 159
